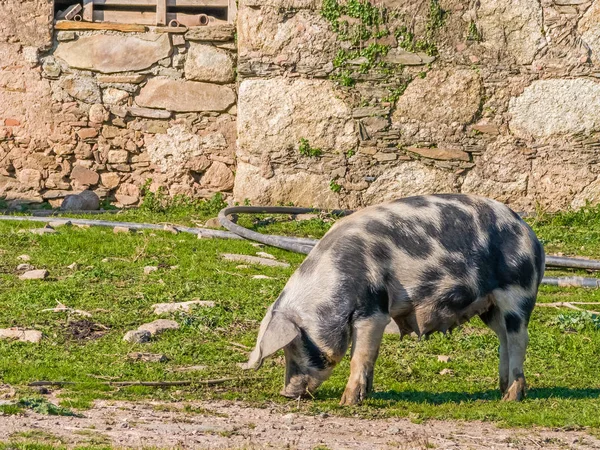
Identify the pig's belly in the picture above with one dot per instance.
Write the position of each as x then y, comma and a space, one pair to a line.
427, 317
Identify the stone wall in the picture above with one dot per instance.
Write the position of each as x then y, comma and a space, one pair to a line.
339, 104
108, 111
495, 97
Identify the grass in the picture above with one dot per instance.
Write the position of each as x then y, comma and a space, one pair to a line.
562, 363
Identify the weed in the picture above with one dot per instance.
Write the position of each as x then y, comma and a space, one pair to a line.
43, 406
306, 150
473, 33
350, 153
576, 321
335, 187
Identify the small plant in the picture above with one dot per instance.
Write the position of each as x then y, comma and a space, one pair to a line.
43, 406
306, 150
576, 322
350, 153
397, 92
473, 33
335, 187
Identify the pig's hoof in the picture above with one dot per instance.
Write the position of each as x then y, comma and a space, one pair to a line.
516, 392
353, 396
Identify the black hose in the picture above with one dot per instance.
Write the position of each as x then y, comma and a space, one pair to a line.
298, 245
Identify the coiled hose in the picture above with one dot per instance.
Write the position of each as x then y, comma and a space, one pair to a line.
297, 245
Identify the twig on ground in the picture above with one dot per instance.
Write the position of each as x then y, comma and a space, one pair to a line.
570, 305
63, 308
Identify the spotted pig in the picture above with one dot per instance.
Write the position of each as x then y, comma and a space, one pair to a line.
429, 263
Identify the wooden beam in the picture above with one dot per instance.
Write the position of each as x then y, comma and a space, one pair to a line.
88, 10
232, 11
68, 25
161, 12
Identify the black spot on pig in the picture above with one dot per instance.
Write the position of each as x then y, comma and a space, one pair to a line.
403, 233
513, 322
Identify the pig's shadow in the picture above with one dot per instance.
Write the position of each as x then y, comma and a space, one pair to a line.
438, 398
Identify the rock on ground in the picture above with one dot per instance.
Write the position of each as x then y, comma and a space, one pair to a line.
20, 334
159, 326
254, 260
39, 274
163, 308
84, 201
137, 336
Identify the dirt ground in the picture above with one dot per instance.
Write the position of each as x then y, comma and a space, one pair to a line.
227, 425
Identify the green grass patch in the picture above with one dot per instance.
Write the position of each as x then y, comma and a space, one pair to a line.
562, 362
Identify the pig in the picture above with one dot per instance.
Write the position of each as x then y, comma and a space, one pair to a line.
430, 263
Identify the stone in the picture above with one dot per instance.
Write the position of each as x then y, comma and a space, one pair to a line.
445, 96
137, 336
303, 42
113, 53
382, 157
265, 255
369, 111
65, 36
149, 269
164, 308
117, 156
38, 274
128, 194
400, 56
147, 357
447, 153
60, 223
185, 96
171, 151
25, 267
447, 372
486, 128
21, 335
205, 62
308, 109
589, 29
98, 114
87, 133
299, 187
30, 178
30, 55
409, 178
556, 107
512, 27
159, 326
24, 258
148, 113
219, 177
136, 78
253, 260
84, 201
113, 96
213, 33
42, 231
501, 172
443, 358
51, 68
81, 88
261, 277
119, 229
110, 180
73, 266
84, 177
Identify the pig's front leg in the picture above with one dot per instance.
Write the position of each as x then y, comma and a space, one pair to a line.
366, 339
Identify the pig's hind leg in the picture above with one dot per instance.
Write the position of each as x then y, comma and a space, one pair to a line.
493, 318
367, 334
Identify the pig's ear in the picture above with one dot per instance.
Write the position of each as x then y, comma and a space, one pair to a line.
276, 331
